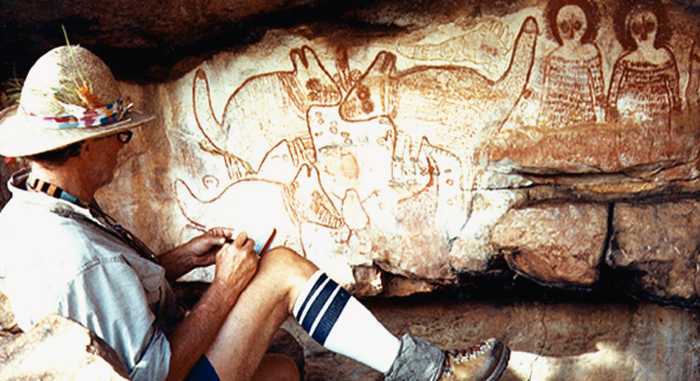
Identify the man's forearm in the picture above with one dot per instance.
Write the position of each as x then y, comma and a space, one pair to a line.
197, 252
176, 263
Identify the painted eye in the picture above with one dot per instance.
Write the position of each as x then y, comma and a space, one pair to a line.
577, 25
650, 26
636, 27
363, 92
564, 27
313, 84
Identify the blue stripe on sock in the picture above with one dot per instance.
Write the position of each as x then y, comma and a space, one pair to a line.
317, 305
318, 284
331, 316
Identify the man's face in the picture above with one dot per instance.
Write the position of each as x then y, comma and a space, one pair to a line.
103, 157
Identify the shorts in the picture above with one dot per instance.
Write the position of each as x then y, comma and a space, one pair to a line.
202, 371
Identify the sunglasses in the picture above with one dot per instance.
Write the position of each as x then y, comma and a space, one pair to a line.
124, 136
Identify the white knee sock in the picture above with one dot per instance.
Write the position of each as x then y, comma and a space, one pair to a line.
341, 324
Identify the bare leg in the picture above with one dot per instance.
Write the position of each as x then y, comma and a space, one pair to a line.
260, 310
238, 353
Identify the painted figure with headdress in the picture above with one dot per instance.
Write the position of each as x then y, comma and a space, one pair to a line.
573, 90
644, 88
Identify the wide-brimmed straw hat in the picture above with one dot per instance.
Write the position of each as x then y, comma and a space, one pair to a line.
69, 95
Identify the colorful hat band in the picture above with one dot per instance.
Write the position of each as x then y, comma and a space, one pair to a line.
89, 118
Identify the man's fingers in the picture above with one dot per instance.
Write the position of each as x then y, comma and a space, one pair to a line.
241, 239
244, 242
222, 235
249, 245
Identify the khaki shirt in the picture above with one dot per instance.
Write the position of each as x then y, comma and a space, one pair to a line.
56, 258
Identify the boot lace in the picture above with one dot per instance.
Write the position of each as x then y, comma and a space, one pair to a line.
458, 356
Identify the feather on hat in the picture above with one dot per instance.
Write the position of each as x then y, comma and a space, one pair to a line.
69, 95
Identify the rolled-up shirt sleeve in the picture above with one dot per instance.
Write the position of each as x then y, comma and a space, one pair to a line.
107, 298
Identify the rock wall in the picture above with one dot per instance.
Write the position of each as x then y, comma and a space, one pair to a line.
57, 348
550, 341
408, 147
557, 135
554, 139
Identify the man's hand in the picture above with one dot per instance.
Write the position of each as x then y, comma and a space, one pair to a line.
200, 251
236, 263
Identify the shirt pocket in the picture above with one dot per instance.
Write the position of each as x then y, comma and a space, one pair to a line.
152, 278
152, 286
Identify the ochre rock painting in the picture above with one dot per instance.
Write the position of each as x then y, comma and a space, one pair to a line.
395, 171
262, 206
573, 89
644, 88
406, 156
355, 161
639, 126
450, 107
692, 93
264, 111
481, 44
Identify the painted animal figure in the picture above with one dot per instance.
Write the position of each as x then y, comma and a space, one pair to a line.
258, 206
481, 44
453, 107
357, 156
265, 110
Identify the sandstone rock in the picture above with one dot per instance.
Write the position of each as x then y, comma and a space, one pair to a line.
554, 244
400, 286
369, 281
658, 243
178, 25
371, 143
371, 149
59, 349
472, 252
8, 324
594, 148
557, 340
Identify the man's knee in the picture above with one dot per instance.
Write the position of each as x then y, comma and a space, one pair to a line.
284, 260
288, 260
287, 271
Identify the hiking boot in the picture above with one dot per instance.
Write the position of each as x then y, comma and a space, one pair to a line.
485, 361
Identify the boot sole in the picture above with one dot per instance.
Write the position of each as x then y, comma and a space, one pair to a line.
502, 365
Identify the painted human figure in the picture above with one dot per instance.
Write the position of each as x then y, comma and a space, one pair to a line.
644, 88
692, 92
573, 90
